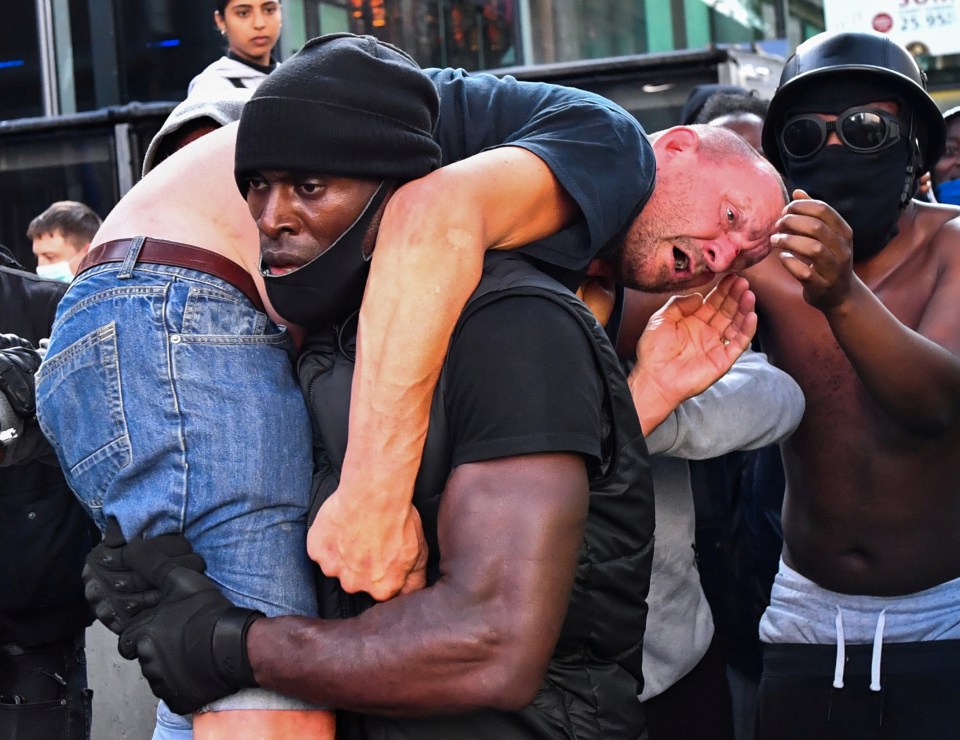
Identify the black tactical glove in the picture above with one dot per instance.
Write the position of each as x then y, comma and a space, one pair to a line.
113, 589
192, 646
12, 340
18, 364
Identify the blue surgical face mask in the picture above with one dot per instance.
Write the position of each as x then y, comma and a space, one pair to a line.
948, 192
57, 271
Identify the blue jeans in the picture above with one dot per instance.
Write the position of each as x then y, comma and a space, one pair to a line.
173, 405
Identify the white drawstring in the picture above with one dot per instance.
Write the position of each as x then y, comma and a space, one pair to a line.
875, 659
841, 653
877, 648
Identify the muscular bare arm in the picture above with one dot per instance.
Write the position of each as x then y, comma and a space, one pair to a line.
913, 374
509, 532
427, 262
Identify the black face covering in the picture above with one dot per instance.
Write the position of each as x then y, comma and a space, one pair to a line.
865, 189
329, 287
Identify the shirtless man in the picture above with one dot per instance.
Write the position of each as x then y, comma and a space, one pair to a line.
860, 307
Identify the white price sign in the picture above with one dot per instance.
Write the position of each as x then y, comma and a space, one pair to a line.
925, 26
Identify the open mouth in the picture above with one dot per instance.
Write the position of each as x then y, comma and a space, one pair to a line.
681, 262
278, 268
276, 259
281, 269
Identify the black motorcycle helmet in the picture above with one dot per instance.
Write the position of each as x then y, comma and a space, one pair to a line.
867, 54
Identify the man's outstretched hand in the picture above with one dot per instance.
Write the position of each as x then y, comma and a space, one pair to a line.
189, 638
380, 551
688, 345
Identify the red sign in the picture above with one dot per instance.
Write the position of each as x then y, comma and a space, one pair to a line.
882, 22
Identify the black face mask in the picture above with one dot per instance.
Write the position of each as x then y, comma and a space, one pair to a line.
329, 287
866, 189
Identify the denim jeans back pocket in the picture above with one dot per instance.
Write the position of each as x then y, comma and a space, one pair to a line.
80, 409
214, 313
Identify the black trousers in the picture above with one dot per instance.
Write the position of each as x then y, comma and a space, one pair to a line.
697, 707
43, 691
919, 696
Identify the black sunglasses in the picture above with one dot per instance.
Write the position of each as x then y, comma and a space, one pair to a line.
862, 129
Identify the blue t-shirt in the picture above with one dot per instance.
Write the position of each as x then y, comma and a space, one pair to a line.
596, 149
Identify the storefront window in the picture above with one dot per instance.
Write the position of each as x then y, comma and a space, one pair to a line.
167, 43
473, 34
39, 168
72, 56
486, 34
20, 62
113, 53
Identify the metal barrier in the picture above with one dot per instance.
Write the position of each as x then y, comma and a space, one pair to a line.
92, 157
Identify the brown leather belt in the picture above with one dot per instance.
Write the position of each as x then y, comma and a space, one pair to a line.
174, 254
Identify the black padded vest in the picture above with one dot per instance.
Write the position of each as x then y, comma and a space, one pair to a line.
591, 686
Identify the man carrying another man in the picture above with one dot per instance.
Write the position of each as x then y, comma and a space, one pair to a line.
220, 347
508, 521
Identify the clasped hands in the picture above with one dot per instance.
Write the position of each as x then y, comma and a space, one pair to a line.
189, 638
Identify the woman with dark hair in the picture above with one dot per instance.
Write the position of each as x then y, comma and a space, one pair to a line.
252, 29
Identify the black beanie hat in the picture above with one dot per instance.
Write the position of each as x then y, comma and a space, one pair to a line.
345, 105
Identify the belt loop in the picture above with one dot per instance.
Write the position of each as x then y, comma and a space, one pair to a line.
133, 254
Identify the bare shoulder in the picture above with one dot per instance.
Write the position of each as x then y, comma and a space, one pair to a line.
931, 271
939, 226
923, 258
938, 242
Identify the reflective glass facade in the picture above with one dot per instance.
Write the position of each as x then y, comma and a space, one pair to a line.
113, 59
20, 77
484, 34
70, 56
112, 53
37, 169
